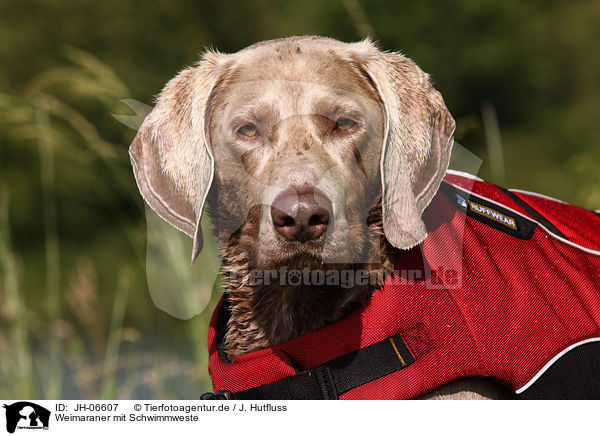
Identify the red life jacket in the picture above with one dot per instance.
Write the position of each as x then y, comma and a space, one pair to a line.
506, 285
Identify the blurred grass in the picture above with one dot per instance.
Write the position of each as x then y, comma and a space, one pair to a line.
52, 252
15, 373
67, 348
111, 357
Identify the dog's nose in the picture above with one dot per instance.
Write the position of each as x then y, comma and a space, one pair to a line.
301, 214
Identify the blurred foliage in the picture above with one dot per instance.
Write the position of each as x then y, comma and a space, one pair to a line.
68, 197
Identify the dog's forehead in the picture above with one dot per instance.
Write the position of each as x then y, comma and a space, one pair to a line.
289, 97
300, 62
285, 81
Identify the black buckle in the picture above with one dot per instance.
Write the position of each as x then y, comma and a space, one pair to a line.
218, 395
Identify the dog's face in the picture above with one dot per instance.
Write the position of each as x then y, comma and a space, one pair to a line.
298, 138
297, 135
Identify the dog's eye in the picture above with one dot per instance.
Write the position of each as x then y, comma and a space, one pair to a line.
343, 125
248, 130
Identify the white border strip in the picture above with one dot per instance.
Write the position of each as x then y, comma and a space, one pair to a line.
522, 191
463, 174
566, 241
553, 361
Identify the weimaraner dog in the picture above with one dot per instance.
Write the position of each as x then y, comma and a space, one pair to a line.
310, 153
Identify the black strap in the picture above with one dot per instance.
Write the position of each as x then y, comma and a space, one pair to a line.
533, 213
314, 384
331, 379
475, 206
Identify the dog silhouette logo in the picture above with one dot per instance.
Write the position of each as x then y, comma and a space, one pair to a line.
26, 415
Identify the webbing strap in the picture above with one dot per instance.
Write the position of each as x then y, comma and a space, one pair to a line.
533, 213
331, 379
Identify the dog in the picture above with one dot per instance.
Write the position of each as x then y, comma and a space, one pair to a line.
311, 154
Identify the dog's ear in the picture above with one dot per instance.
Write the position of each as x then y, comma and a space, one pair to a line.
171, 156
417, 142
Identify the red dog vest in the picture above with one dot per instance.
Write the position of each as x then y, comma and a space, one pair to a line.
506, 285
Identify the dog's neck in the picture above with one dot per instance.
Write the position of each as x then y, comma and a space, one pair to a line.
267, 310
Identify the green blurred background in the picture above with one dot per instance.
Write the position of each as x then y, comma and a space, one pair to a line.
522, 79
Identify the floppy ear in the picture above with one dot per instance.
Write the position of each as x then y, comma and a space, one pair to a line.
171, 156
417, 143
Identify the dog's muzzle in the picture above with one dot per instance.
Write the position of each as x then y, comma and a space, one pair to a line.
301, 214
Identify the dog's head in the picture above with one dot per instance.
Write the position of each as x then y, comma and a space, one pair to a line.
298, 137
